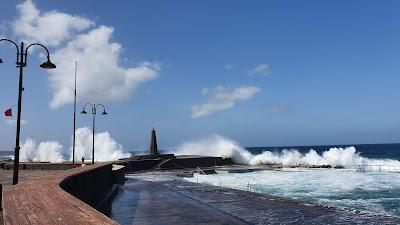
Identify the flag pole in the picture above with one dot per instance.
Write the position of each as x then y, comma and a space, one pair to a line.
73, 137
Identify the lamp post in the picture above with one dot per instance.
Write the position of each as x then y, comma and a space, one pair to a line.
22, 54
73, 135
94, 109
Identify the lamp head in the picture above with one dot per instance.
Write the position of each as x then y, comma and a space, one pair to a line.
1, 61
48, 64
83, 111
104, 113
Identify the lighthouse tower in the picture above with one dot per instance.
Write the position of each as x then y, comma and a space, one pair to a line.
153, 143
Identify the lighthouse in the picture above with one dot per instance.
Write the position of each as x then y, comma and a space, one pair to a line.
153, 143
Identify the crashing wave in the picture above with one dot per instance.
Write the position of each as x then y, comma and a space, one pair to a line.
335, 157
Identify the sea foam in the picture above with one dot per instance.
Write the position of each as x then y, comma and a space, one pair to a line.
367, 190
336, 157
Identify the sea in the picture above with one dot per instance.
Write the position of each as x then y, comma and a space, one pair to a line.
373, 151
6, 155
363, 177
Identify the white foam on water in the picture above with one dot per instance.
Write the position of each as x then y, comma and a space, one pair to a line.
343, 157
364, 190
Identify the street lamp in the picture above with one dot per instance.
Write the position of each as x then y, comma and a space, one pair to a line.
94, 109
22, 54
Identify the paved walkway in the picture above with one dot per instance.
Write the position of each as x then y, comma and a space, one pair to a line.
159, 198
41, 201
7, 175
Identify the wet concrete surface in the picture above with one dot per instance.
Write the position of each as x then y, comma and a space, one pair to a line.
163, 198
151, 203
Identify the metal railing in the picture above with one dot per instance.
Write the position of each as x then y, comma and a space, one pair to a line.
252, 188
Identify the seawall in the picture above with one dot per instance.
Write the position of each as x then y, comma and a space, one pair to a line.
170, 161
66, 198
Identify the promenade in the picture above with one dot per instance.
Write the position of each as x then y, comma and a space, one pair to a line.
6, 175
39, 199
160, 197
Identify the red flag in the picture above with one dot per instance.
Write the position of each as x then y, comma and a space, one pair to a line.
8, 112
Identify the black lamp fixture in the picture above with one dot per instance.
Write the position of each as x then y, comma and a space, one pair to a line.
48, 64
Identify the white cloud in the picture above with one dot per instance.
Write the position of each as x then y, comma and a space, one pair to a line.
281, 109
3, 28
204, 91
13, 122
101, 78
51, 27
262, 69
228, 66
223, 98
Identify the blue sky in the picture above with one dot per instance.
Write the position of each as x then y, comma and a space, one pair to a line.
324, 72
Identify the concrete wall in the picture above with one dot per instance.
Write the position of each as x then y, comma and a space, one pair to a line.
90, 186
118, 174
194, 162
178, 162
137, 165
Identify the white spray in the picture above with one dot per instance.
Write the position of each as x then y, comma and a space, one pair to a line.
48, 151
226, 148
106, 148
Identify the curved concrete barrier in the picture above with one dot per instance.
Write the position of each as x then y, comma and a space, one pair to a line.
43, 201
